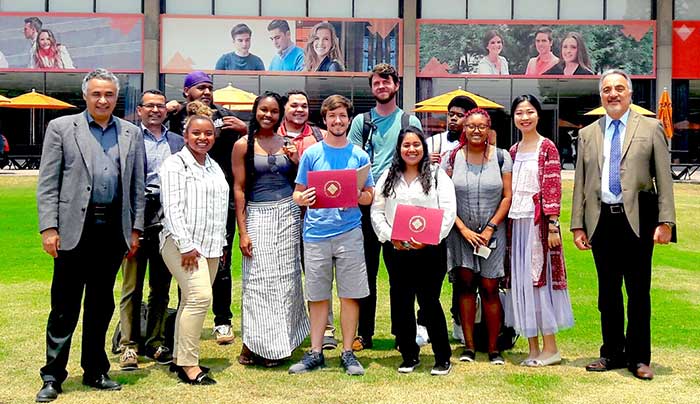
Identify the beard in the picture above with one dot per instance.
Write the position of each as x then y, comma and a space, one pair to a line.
341, 134
453, 135
387, 100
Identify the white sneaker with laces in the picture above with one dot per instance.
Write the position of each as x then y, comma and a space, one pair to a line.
223, 334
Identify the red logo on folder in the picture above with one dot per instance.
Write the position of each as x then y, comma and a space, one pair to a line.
421, 224
334, 188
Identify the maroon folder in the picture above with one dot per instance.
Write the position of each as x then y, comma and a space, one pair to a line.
421, 224
334, 188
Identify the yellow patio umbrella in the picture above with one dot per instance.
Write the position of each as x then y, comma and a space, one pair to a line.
4, 99
232, 96
665, 113
439, 103
35, 100
634, 107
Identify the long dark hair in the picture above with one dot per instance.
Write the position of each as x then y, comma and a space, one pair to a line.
253, 128
529, 98
463, 137
398, 166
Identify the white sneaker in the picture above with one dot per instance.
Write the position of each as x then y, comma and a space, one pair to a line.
223, 334
422, 335
457, 333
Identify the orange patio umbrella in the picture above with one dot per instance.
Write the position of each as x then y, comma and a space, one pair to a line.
665, 113
35, 100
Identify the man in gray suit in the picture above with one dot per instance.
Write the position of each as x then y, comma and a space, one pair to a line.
90, 198
622, 205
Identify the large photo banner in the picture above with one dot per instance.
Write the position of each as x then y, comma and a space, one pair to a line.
264, 45
535, 48
71, 42
686, 50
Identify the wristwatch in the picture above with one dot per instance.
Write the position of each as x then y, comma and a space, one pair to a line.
492, 225
554, 222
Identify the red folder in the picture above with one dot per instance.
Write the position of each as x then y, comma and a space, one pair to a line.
334, 188
421, 224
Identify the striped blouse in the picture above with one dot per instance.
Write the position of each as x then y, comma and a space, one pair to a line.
195, 204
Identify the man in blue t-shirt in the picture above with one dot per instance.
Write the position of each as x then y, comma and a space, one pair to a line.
240, 58
289, 57
333, 237
381, 147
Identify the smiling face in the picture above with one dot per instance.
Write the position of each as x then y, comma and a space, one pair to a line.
543, 43
412, 150
384, 89
296, 110
525, 117
152, 109
280, 40
268, 113
569, 50
495, 45
615, 95
45, 41
101, 98
241, 44
477, 129
199, 137
323, 42
337, 121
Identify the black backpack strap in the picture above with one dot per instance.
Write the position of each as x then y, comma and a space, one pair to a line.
317, 133
367, 127
499, 156
405, 121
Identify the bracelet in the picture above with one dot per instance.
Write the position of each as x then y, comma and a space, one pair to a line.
554, 231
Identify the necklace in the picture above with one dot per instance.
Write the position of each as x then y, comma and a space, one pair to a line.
478, 186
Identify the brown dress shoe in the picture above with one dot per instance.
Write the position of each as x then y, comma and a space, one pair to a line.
603, 365
247, 357
642, 371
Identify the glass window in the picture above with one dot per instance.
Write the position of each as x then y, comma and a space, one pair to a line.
284, 8
71, 5
581, 10
446, 9
497, 91
282, 84
187, 7
629, 10
686, 117
228, 7
333, 8
319, 88
492, 9
686, 10
376, 9
121, 6
173, 86
25, 5
529, 9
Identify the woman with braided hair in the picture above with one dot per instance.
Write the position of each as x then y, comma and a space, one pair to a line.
476, 246
273, 315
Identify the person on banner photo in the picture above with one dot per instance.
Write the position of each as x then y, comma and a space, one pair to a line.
323, 53
476, 246
492, 62
376, 132
288, 56
545, 59
159, 144
198, 86
240, 58
574, 59
333, 239
90, 198
413, 180
439, 148
537, 301
622, 205
32, 26
49, 54
273, 316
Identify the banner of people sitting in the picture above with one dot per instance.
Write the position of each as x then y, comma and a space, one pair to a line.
555, 48
304, 45
81, 42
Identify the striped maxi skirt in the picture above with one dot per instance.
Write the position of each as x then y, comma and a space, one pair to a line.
273, 320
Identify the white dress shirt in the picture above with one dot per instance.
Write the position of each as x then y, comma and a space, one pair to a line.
384, 209
441, 144
607, 196
195, 204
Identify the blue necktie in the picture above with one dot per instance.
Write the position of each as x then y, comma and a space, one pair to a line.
615, 157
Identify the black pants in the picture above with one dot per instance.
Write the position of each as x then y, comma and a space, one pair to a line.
441, 261
221, 289
368, 305
620, 255
414, 274
91, 267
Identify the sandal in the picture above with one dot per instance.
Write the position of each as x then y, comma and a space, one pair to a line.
247, 357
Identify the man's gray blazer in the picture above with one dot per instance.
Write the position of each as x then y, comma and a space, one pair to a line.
65, 178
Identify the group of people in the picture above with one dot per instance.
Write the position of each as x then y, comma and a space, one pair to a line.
322, 52
108, 189
45, 52
572, 60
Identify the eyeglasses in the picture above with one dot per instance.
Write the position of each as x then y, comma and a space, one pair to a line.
482, 128
151, 106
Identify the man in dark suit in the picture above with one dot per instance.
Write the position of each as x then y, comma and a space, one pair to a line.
622, 205
90, 198
159, 144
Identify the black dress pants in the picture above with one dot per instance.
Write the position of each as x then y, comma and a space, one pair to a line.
622, 256
90, 267
368, 305
414, 274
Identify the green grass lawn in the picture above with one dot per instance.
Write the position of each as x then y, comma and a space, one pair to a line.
25, 278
